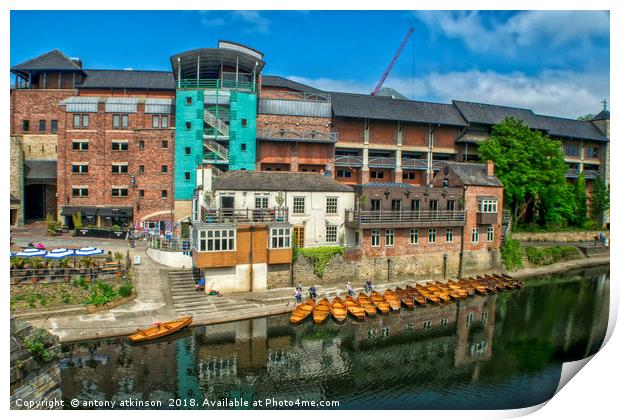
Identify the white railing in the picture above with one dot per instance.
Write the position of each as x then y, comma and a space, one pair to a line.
216, 148
216, 123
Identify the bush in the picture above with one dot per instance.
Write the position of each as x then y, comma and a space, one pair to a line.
591, 225
550, 255
512, 255
320, 256
38, 344
125, 290
101, 293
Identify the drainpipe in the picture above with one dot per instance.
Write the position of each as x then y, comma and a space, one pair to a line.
462, 236
389, 261
251, 259
445, 264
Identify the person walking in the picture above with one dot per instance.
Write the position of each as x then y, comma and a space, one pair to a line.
350, 291
312, 291
297, 296
368, 286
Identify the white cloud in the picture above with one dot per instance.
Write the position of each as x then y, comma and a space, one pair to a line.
559, 93
537, 28
250, 20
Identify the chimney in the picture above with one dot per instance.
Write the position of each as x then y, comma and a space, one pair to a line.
490, 168
77, 61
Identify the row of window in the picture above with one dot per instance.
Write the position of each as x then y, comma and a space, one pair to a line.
118, 145
118, 121
117, 168
116, 192
571, 149
42, 126
414, 236
299, 205
396, 205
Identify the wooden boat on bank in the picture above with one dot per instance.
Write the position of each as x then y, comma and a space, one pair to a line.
379, 302
428, 295
161, 329
392, 299
302, 311
413, 293
354, 307
338, 309
321, 311
366, 304
404, 298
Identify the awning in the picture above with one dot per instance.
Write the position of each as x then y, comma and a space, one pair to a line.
71, 210
121, 104
81, 103
158, 106
40, 169
115, 211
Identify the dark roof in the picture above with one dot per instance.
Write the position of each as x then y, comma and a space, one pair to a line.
478, 113
473, 174
281, 82
386, 108
278, 181
40, 169
52, 60
603, 115
566, 127
386, 91
128, 79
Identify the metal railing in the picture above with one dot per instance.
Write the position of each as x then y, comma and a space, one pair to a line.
410, 163
216, 123
66, 274
373, 217
587, 173
216, 148
297, 135
172, 244
216, 84
381, 162
228, 215
353, 161
302, 96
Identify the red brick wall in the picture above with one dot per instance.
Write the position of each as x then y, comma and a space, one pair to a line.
288, 122
402, 245
415, 135
311, 153
471, 205
383, 132
445, 137
35, 105
355, 175
349, 130
274, 152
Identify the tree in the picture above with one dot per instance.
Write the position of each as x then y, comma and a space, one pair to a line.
581, 201
531, 167
599, 200
586, 117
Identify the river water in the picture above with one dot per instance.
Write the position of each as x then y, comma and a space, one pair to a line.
487, 352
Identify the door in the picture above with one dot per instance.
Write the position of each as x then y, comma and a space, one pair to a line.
227, 204
375, 205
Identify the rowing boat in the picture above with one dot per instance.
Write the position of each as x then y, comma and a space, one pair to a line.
338, 309
161, 329
392, 299
379, 302
415, 295
367, 304
427, 294
302, 311
354, 307
321, 311
404, 297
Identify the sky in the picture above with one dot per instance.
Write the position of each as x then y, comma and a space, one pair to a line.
553, 62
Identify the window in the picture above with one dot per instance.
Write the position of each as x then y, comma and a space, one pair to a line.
332, 205
41, 126
188, 125
331, 234
188, 100
449, 235
79, 168
164, 121
141, 144
445, 183
54, 126
571, 149
120, 192
164, 193
474, 235
25, 125
120, 168
243, 147
389, 237
490, 234
591, 152
299, 233
487, 206
261, 202
469, 319
415, 205
299, 205
79, 191
120, 120
432, 235
427, 324
188, 151
120, 145
343, 173
188, 176
433, 205
280, 237
375, 204
141, 193
155, 120
164, 144
217, 240
396, 205
80, 120
160, 121
443, 322
414, 236
410, 176
375, 237
80, 145
141, 169
164, 169
244, 122
451, 205
376, 174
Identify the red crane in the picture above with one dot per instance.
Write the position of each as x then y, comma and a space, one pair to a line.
389, 68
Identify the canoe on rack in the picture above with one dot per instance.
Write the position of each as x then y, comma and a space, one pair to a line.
366, 304
302, 311
379, 302
392, 299
354, 307
321, 311
160, 329
338, 309
404, 298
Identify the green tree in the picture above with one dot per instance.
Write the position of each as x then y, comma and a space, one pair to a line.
531, 167
586, 117
581, 201
599, 200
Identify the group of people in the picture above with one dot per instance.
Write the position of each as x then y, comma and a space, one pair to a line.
312, 290
601, 239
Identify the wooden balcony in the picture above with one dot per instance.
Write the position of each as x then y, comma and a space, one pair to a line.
243, 216
403, 219
486, 218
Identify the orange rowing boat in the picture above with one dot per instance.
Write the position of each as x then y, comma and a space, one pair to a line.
160, 329
392, 299
320, 311
367, 304
354, 307
338, 309
379, 302
302, 311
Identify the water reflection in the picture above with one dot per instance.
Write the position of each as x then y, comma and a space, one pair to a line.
497, 351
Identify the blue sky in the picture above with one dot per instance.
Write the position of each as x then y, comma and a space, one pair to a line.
555, 63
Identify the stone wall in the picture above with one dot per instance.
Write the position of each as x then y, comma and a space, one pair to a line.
278, 275
33, 381
576, 236
17, 178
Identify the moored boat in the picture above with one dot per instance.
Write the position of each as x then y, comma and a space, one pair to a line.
392, 299
160, 329
379, 302
354, 307
321, 311
338, 309
302, 311
404, 297
366, 304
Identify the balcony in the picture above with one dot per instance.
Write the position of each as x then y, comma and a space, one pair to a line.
587, 173
350, 161
217, 84
403, 219
409, 163
312, 136
381, 162
243, 216
486, 218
